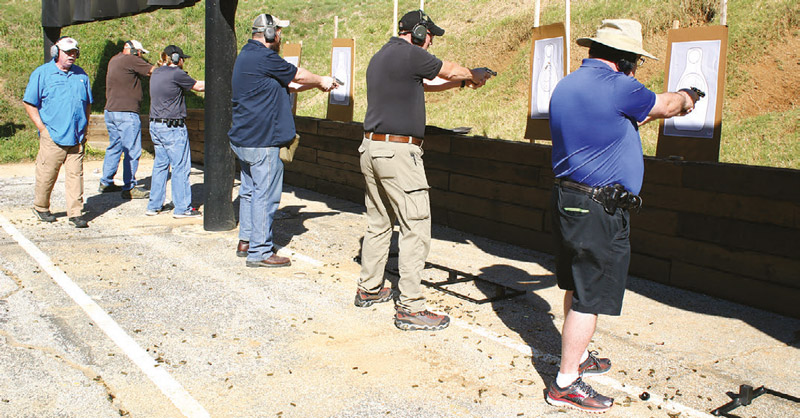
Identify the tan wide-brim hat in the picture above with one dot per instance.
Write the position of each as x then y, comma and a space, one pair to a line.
622, 34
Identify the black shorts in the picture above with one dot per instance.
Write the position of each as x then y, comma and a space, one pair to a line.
593, 251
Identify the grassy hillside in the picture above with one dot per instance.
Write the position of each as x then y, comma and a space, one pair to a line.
761, 116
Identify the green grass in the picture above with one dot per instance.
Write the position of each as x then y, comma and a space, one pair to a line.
500, 40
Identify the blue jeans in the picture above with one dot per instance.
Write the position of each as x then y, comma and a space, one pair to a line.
124, 136
259, 197
172, 149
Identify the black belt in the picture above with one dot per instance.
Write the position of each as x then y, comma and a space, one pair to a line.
170, 122
610, 197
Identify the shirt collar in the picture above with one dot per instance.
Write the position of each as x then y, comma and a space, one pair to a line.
54, 68
595, 63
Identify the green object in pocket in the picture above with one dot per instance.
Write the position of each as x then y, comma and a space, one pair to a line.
578, 210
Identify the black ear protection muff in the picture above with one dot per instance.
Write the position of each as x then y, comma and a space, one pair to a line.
134, 51
54, 49
420, 30
175, 57
625, 66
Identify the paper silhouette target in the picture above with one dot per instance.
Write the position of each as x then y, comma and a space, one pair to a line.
696, 57
694, 64
340, 99
340, 69
548, 67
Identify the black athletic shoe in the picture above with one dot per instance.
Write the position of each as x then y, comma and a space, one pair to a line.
78, 222
45, 216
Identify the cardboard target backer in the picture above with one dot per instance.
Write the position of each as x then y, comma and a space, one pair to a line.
291, 53
340, 100
696, 57
548, 67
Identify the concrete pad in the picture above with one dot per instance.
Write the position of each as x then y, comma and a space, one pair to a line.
289, 342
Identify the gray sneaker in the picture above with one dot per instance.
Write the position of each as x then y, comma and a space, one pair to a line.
422, 320
45, 216
78, 222
364, 299
135, 193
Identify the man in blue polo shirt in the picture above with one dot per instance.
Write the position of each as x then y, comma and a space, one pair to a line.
595, 114
58, 100
262, 124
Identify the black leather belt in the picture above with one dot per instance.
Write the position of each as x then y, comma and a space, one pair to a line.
405, 139
170, 122
611, 197
574, 185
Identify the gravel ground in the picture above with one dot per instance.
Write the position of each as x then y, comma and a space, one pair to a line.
288, 342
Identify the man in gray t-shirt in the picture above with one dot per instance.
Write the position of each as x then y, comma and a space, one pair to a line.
169, 134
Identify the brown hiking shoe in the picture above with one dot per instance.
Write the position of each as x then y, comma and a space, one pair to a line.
578, 395
594, 365
422, 320
135, 193
364, 299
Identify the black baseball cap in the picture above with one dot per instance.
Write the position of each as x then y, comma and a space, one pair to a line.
171, 49
415, 17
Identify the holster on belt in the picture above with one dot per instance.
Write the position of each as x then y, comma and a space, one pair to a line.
611, 197
615, 196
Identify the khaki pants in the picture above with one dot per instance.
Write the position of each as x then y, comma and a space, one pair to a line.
396, 190
49, 160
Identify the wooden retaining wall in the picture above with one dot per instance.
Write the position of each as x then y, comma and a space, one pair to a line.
727, 230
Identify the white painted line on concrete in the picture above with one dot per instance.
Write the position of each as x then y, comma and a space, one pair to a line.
288, 252
188, 406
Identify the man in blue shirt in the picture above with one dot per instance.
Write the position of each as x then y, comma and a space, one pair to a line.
595, 114
58, 100
262, 124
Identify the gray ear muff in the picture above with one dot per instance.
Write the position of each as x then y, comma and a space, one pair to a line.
175, 57
269, 30
54, 52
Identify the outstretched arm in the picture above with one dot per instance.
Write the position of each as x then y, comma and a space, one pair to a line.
671, 104
307, 80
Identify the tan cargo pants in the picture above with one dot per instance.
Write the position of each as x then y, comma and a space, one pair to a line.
396, 190
49, 160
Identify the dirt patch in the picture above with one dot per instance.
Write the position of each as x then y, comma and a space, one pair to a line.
774, 80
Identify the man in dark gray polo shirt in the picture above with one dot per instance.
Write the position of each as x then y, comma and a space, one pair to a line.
391, 160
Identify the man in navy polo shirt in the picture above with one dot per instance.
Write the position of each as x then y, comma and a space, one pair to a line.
595, 114
262, 124
58, 100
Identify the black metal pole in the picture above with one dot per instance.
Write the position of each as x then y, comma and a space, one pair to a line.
50, 35
219, 159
